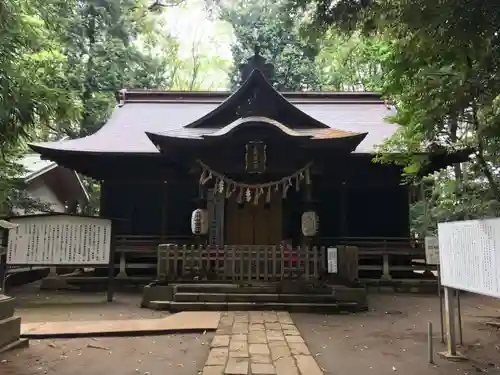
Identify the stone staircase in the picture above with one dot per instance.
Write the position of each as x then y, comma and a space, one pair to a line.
10, 326
220, 297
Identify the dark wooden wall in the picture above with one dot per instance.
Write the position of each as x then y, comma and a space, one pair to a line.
354, 198
150, 208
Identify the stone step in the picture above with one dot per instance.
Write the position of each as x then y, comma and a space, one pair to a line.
225, 288
331, 308
256, 297
269, 288
7, 305
20, 343
10, 330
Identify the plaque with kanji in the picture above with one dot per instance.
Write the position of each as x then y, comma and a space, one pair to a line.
255, 157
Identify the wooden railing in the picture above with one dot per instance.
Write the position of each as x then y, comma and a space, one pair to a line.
379, 257
147, 244
378, 244
390, 256
239, 263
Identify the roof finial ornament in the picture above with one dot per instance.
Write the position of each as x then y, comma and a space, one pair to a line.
256, 49
257, 61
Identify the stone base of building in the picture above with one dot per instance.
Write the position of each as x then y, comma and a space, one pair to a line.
194, 297
10, 326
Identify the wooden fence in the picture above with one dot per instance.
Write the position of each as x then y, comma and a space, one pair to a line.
240, 263
382, 258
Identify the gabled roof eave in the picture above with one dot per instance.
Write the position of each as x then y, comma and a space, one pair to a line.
256, 77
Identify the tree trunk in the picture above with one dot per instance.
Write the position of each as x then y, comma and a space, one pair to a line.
457, 168
89, 78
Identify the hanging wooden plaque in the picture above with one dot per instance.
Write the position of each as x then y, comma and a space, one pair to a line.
255, 157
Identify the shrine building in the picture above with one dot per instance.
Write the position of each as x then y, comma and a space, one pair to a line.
249, 167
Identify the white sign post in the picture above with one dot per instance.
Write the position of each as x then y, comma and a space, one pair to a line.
449, 308
53, 240
432, 258
46, 240
469, 254
8, 226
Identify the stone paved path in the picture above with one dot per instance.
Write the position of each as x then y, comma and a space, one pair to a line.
259, 343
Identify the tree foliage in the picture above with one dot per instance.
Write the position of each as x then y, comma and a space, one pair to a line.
349, 63
276, 32
61, 65
31, 73
438, 64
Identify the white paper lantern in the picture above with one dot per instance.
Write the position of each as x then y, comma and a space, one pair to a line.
310, 223
199, 222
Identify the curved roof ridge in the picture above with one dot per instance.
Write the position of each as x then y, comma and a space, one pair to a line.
253, 119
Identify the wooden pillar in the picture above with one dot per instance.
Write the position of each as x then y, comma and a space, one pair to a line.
344, 196
103, 199
164, 212
202, 203
123, 266
104, 212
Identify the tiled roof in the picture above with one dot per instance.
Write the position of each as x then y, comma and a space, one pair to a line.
34, 166
125, 131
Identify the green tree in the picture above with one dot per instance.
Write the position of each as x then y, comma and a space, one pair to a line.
31, 72
32, 90
438, 65
277, 33
61, 64
108, 44
349, 62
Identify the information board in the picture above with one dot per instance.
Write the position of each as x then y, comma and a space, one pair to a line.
469, 253
59, 240
331, 257
431, 250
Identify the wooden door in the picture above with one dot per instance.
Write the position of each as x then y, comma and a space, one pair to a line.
254, 224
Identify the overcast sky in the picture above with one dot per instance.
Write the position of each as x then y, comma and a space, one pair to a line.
190, 23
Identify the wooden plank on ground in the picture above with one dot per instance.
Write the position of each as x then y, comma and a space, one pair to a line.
183, 322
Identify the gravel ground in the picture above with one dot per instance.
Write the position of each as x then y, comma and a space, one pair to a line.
173, 354
46, 306
389, 339
392, 337
169, 354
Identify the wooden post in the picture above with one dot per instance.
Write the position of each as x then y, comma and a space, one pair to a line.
430, 349
440, 295
3, 257
111, 265
202, 203
459, 311
344, 196
451, 344
386, 271
103, 212
449, 306
164, 212
123, 266
348, 258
